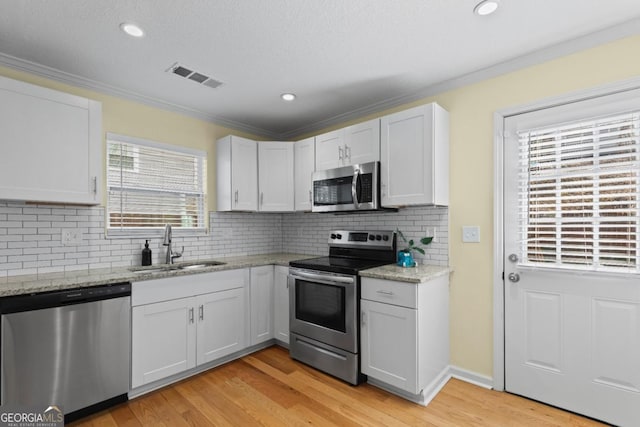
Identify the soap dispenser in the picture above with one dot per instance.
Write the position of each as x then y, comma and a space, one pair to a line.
146, 254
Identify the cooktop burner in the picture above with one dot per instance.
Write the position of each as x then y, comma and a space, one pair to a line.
353, 251
337, 264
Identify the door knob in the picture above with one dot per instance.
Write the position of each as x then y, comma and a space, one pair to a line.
514, 277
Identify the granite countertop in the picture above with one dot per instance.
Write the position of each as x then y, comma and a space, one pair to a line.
418, 274
27, 284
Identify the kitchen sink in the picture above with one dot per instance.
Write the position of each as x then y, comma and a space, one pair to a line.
172, 267
197, 265
141, 270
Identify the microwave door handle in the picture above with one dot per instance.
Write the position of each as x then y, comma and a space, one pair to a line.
354, 188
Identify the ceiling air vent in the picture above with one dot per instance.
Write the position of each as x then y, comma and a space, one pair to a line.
182, 71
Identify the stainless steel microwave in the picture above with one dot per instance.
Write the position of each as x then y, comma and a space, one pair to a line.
348, 188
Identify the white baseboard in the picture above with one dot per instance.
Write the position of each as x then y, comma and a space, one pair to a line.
432, 390
470, 377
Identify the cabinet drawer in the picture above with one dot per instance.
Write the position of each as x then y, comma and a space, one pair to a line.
389, 292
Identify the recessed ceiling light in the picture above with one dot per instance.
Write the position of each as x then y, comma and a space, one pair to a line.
132, 29
288, 96
486, 7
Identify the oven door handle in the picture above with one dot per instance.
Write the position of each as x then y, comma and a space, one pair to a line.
322, 277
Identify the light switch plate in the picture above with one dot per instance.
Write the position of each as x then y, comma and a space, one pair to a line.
471, 234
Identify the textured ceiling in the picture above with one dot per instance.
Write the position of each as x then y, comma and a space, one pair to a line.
340, 57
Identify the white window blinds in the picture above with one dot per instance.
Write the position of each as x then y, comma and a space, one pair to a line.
150, 185
579, 192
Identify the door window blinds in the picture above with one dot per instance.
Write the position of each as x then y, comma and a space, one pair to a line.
150, 185
579, 191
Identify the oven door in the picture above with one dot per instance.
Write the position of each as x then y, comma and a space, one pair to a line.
324, 307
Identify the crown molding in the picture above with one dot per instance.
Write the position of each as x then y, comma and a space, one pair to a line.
626, 29
82, 82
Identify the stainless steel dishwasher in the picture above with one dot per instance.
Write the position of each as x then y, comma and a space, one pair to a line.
67, 348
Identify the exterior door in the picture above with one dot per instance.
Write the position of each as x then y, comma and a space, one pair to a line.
571, 267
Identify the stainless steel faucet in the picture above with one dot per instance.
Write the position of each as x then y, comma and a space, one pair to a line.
171, 255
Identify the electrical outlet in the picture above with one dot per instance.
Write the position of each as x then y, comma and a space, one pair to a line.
71, 236
434, 235
471, 234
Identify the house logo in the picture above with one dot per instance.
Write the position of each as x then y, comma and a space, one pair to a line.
25, 416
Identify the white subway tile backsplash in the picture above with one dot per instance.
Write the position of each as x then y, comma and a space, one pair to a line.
30, 236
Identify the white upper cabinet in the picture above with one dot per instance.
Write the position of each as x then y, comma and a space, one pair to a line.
237, 174
351, 145
51, 145
330, 150
304, 166
275, 176
362, 142
414, 157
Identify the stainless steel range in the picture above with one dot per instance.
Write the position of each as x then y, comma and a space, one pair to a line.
324, 301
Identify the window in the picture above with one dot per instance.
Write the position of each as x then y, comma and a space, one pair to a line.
151, 184
580, 192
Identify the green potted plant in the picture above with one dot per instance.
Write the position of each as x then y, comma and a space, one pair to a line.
405, 256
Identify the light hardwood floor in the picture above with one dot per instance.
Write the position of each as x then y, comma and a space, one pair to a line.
268, 388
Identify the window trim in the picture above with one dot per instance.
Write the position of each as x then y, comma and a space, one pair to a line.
152, 232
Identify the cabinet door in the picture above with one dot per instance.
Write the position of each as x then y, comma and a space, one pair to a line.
220, 317
330, 150
163, 340
261, 296
275, 176
362, 142
281, 304
244, 174
389, 344
51, 145
414, 157
304, 164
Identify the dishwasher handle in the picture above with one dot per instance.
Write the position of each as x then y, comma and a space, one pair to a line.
37, 301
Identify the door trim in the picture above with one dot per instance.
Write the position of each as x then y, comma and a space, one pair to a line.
498, 202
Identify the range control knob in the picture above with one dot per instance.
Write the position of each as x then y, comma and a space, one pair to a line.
333, 236
385, 238
372, 237
378, 237
338, 236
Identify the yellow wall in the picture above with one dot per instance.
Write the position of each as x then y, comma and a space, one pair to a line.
134, 119
471, 111
471, 199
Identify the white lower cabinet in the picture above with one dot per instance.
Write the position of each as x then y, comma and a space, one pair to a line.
261, 296
181, 322
389, 339
405, 335
163, 340
281, 304
220, 324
